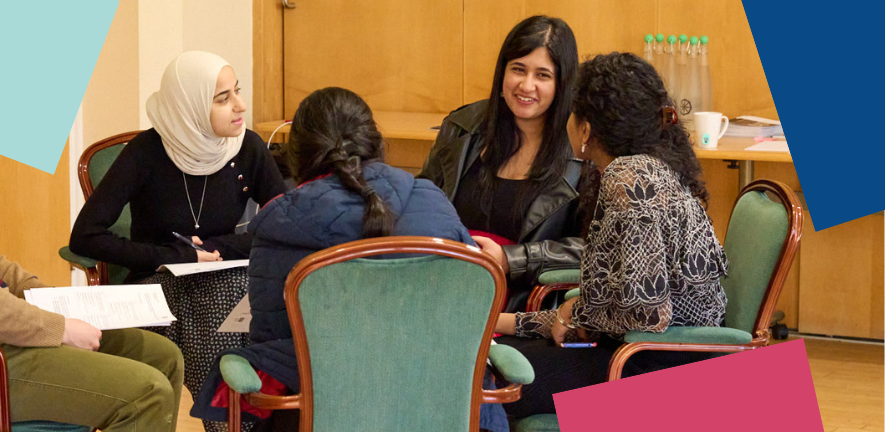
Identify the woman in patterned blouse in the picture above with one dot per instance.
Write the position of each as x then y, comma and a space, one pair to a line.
651, 258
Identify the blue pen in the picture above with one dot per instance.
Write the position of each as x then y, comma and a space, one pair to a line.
577, 344
188, 241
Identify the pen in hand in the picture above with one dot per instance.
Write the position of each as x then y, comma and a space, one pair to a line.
188, 241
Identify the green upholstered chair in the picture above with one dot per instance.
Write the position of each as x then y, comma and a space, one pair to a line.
94, 164
31, 426
762, 239
397, 344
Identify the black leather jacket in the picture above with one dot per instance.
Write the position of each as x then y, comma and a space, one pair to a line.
550, 237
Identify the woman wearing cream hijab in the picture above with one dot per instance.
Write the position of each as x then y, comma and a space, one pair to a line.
192, 174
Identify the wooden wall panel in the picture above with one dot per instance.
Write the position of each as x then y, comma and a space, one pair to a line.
739, 83
486, 24
374, 48
399, 55
843, 294
602, 26
36, 218
267, 68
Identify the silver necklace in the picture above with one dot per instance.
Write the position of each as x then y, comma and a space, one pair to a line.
190, 205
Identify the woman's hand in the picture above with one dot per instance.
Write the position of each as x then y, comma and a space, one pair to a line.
494, 249
81, 334
558, 330
209, 256
206, 256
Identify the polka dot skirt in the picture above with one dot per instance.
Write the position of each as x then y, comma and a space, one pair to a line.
201, 302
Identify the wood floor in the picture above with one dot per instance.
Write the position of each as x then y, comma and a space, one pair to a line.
849, 379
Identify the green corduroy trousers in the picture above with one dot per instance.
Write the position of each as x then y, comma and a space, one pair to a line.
133, 383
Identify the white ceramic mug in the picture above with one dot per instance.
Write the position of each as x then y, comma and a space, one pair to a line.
708, 128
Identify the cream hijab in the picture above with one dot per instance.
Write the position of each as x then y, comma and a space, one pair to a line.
180, 110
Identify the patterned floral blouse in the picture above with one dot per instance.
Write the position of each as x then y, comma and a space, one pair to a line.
651, 259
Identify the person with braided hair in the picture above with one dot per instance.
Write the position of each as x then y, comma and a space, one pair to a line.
345, 192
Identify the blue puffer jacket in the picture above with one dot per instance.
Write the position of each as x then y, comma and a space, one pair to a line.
318, 215
322, 214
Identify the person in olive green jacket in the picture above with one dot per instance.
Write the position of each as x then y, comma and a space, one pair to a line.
65, 370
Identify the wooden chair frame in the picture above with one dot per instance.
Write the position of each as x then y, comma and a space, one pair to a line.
5, 419
97, 275
761, 335
362, 249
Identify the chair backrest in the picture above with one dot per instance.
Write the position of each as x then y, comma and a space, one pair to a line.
393, 344
761, 241
94, 164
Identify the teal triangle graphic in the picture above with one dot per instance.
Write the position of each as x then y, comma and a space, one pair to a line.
49, 54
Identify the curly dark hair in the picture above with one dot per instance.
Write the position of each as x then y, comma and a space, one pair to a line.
623, 98
334, 132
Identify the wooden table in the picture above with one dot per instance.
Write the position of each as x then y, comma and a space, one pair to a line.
397, 125
735, 149
424, 127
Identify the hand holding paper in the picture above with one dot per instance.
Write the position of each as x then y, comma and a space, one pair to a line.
104, 307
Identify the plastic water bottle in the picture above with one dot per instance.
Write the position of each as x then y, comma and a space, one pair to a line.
706, 80
659, 53
681, 63
648, 53
690, 81
672, 69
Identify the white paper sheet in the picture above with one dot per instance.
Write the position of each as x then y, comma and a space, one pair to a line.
771, 146
106, 307
194, 268
239, 318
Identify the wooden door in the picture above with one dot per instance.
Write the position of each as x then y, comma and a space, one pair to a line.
399, 55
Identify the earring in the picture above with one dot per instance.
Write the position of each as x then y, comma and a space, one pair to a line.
502, 94
583, 148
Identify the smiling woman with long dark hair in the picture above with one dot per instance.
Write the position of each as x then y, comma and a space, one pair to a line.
506, 164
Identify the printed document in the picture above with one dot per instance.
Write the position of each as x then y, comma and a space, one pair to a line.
106, 307
203, 267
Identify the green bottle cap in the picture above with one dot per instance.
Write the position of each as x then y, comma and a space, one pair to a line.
671, 40
683, 38
659, 37
693, 40
704, 40
648, 38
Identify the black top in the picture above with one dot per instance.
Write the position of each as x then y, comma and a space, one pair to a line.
145, 177
502, 219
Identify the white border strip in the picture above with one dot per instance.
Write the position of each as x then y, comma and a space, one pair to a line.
75, 149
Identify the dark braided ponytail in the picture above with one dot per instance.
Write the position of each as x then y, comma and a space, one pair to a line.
333, 132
